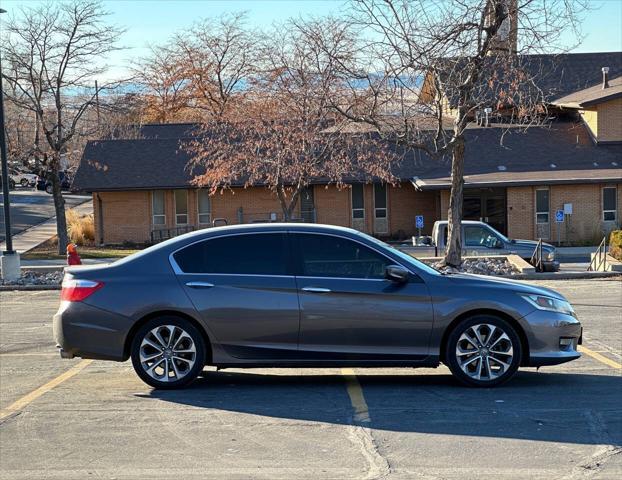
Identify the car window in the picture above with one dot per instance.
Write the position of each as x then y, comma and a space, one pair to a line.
330, 256
476, 236
252, 254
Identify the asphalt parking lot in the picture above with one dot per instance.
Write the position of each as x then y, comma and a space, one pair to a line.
77, 419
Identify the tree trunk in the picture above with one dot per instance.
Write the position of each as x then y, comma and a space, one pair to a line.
288, 205
453, 252
59, 208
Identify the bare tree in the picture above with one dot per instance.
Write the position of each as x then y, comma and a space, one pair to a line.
469, 55
283, 136
55, 52
164, 84
218, 58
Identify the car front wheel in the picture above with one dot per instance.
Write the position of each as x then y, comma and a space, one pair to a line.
24, 182
168, 352
483, 351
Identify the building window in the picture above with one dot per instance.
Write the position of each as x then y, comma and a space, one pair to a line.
380, 200
609, 204
181, 207
205, 208
358, 201
157, 207
542, 206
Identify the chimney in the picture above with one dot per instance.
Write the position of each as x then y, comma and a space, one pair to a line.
605, 77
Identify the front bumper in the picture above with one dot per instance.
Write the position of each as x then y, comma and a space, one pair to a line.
552, 266
545, 332
82, 330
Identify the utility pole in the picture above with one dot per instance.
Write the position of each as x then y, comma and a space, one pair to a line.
9, 261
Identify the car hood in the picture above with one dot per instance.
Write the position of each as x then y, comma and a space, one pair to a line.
501, 283
531, 245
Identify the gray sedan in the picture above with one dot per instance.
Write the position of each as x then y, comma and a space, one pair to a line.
299, 295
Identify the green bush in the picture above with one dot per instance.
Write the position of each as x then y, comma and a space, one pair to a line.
615, 244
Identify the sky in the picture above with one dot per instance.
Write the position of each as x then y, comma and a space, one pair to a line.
154, 21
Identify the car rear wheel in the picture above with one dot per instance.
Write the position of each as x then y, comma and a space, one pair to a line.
168, 352
24, 182
483, 351
48, 189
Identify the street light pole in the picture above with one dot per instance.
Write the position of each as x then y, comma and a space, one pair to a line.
9, 261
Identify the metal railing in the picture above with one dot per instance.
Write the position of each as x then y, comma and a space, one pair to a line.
161, 234
536, 257
600, 258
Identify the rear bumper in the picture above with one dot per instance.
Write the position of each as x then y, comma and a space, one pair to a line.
81, 330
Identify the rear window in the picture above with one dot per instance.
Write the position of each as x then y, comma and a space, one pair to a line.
253, 254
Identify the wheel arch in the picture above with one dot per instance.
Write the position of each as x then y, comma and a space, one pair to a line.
171, 313
492, 312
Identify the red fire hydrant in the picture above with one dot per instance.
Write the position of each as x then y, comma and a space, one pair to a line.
72, 255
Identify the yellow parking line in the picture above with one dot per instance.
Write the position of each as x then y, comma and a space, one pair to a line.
599, 357
32, 396
361, 411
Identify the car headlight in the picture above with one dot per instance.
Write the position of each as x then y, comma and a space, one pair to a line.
550, 256
550, 304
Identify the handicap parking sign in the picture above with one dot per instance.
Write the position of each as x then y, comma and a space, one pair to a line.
419, 221
559, 216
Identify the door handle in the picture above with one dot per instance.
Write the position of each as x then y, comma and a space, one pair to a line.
316, 290
199, 285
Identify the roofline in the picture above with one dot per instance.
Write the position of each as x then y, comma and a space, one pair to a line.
589, 103
422, 186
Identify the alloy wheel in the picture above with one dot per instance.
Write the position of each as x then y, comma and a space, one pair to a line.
167, 353
484, 352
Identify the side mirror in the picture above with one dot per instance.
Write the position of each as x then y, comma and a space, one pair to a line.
396, 273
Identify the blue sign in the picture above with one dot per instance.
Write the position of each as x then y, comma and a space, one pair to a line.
559, 216
419, 221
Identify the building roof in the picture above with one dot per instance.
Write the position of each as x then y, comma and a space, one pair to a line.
547, 76
562, 153
496, 155
592, 95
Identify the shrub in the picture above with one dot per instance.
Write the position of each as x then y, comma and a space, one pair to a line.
615, 244
81, 229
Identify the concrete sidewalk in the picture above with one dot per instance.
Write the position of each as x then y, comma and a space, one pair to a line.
36, 235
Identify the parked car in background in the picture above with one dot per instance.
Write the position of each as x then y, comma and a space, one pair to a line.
304, 295
65, 182
24, 179
11, 182
479, 238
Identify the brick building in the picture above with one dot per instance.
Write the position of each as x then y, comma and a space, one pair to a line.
515, 179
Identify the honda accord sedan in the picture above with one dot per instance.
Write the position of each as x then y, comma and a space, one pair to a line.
300, 295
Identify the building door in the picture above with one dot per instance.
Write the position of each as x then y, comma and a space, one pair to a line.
486, 205
543, 208
307, 205
381, 217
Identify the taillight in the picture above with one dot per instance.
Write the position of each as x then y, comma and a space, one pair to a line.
76, 290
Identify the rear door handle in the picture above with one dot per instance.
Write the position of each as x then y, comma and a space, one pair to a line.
199, 285
316, 290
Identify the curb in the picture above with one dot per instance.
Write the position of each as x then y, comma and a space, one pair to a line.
559, 276
26, 288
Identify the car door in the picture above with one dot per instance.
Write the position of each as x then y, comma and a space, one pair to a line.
348, 310
244, 290
482, 240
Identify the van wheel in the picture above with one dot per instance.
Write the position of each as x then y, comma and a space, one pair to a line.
483, 351
168, 352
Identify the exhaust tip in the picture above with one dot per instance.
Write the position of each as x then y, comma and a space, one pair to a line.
64, 354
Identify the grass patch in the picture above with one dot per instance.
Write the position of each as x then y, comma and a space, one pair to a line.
49, 251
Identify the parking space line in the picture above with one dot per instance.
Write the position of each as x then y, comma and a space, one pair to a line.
361, 411
599, 357
32, 396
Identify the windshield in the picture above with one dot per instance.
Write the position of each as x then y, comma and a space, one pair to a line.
404, 256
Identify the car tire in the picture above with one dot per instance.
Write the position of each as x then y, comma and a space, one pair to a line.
24, 182
496, 351
48, 189
168, 352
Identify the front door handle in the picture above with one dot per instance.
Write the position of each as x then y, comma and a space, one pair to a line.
316, 290
199, 285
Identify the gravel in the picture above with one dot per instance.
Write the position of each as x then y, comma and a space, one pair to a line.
37, 278
479, 265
